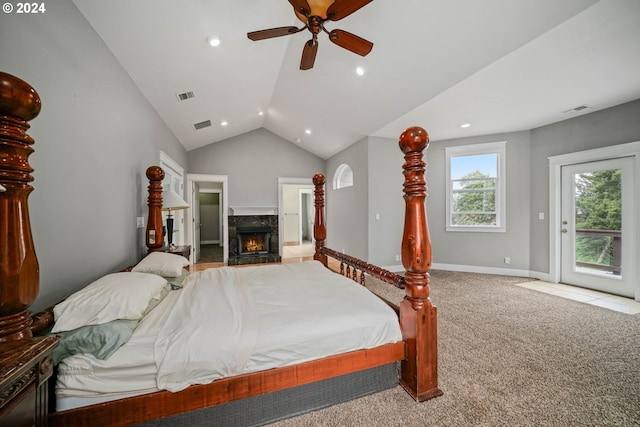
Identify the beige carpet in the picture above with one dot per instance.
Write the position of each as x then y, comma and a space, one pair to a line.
510, 356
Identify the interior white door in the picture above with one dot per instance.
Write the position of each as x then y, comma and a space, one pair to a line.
598, 242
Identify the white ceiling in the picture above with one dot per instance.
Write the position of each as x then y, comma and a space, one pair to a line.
500, 65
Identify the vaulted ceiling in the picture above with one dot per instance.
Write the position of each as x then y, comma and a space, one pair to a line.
499, 65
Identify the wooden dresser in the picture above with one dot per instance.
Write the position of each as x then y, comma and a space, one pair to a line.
25, 367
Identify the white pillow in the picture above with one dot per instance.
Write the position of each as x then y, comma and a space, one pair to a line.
162, 264
123, 295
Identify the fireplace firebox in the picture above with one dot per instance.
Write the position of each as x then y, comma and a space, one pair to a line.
253, 240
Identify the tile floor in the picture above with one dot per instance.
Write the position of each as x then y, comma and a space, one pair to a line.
588, 296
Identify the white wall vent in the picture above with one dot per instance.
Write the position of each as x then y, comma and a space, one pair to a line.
202, 125
185, 96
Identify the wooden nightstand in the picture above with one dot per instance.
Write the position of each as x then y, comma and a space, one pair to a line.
185, 250
25, 367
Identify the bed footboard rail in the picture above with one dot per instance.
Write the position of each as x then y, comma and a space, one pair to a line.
356, 269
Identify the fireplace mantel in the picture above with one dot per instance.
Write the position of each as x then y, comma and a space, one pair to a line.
252, 210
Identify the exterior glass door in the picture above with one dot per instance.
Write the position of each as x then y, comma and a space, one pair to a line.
598, 227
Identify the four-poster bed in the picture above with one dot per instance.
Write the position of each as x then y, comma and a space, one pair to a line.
414, 347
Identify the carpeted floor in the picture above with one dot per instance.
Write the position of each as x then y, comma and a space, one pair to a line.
510, 356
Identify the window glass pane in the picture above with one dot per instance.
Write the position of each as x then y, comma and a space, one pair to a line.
478, 165
473, 219
343, 177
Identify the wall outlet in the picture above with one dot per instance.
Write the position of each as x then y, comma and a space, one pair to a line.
140, 222
397, 257
507, 260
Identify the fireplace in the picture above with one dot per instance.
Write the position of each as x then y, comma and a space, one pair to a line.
253, 240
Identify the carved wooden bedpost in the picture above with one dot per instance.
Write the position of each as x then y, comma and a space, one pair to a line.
19, 270
417, 313
154, 236
319, 228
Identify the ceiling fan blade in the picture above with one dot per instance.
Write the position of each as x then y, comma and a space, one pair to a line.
308, 55
351, 42
271, 32
343, 8
301, 6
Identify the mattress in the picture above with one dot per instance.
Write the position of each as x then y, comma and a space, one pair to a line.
264, 316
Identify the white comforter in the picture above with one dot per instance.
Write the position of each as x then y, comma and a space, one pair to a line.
228, 321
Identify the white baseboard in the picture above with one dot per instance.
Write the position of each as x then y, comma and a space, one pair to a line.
479, 269
483, 270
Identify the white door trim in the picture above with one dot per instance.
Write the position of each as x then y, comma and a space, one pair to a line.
193, 178
555, 169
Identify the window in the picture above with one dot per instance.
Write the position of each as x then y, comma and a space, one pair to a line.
476, 183
343, 177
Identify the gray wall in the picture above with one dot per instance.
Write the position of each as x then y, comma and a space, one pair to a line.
482, 249
95, 138
385, 198
253, 162
612, 126
347, 208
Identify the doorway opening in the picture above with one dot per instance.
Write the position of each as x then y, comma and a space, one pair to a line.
297, 218
208, 234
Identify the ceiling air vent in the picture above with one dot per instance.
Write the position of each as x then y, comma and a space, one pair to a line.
579, 108
186, 95
202, 125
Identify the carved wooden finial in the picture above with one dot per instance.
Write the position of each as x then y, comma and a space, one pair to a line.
413, 139
154, 236
18, 98
19, 269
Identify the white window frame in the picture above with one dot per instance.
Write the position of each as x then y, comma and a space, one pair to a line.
498, 148
343, 177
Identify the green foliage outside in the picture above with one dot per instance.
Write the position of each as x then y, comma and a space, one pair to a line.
474, 200
598, 207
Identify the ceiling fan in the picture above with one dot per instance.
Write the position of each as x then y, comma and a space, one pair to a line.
314, 13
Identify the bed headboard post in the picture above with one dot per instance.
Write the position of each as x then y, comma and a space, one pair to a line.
154, 236
319, 227
417, 313
19, 270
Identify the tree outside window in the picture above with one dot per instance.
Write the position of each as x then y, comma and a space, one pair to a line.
476, 183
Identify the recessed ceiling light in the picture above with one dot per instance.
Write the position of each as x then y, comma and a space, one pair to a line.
224, 123
307, 131
360, 71
298, 140
261, 113
214, 40
465, 125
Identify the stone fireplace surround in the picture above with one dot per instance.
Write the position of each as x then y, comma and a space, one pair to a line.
253, 221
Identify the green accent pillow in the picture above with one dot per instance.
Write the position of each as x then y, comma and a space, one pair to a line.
100, 340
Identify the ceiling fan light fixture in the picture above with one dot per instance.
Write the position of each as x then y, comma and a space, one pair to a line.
214, 40
318, 8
